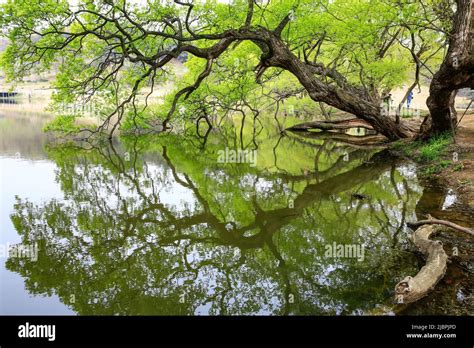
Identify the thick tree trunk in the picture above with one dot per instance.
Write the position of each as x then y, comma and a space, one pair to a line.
341, 95
456, 71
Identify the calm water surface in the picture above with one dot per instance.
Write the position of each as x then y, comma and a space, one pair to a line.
157, 225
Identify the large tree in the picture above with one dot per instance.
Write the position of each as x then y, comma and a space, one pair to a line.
456, 71
346, 54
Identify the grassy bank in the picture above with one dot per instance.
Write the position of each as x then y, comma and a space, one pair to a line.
433, 156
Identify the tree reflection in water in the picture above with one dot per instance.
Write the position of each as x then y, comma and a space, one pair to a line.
155, 225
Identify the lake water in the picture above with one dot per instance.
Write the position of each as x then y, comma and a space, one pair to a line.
173, 225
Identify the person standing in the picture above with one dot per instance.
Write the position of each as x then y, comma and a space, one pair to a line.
409, 99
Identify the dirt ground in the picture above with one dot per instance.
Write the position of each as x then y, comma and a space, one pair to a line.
462, 179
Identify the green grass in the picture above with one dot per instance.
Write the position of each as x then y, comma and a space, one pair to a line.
432, 153
437, 168
422, 151
434, 148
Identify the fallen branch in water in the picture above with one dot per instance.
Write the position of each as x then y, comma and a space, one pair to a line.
363, 142
432, 221
332, 125
411, 289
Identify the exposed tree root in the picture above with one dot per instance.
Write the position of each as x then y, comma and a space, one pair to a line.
412, 289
